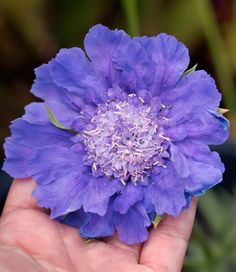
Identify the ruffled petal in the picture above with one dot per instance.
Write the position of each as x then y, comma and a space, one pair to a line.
45, 88
98, 193
26, 138
75, 219
210, 128
60, 169
166, 192
136, 68
193, 94
207, 127
32, 135
50, 164
67, 84
170, 57
132, 226
205, 167
72, 71
98, 226
63, 195
100, 44
36, 113
127, 198
179, 161
17, 157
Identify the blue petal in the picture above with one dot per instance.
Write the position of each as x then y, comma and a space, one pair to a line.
98, 226
80, 123
179, 161
100, 44
98, 193
170, 58
26, 137
127, 198
135, 66
206, 168
219, 129
166, 192
45, 88
132, 226
50, 163
193, 106
72, 71
32, 135
36, 113
116, 93
75, 219
63, 195
205, 126
209, 128
17, 157
145, 95
193, 94
54, 167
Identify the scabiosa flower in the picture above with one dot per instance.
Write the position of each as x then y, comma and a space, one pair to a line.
121, 136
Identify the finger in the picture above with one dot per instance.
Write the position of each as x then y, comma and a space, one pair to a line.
167, 244
132, 250
20, 196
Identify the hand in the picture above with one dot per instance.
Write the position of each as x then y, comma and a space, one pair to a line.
30, 241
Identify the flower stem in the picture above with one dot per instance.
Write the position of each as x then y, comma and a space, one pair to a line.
131, 13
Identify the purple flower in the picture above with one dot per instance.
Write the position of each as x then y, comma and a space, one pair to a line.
120, 136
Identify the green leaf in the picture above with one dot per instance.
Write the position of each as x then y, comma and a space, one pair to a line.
222, 111
55, 122
190, 70
157, 219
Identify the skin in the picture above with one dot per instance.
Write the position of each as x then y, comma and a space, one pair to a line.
30, 241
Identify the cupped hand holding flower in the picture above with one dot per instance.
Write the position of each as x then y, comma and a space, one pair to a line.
30, 241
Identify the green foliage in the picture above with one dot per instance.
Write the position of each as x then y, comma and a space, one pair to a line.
213, 243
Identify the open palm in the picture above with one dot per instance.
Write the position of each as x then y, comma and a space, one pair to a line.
30, 241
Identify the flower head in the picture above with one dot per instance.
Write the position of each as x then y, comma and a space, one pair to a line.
119, 137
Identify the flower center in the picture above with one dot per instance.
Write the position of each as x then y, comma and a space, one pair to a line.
124, 140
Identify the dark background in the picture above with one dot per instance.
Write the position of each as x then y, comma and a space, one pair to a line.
32, 31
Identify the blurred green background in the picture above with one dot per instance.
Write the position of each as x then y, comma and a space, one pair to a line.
32, 31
